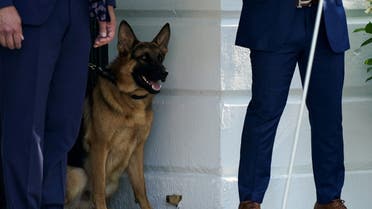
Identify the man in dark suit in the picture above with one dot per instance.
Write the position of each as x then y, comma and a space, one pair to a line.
44, 50
279, 35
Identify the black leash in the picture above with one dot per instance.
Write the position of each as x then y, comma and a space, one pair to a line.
107, 74
104, 72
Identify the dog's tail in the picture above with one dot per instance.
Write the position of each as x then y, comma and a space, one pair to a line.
76, 183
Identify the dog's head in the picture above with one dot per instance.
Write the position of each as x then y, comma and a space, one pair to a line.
140, 64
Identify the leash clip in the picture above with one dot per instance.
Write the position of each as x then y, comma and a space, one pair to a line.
104, 72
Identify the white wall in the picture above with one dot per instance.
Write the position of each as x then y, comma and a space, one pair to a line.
193, 149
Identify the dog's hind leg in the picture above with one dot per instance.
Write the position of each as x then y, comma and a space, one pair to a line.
136, 177
97, 157
75, 185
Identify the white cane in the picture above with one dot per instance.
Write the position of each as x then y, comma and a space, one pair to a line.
303, 102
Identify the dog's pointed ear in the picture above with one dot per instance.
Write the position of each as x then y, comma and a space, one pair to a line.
126, 38
162, 39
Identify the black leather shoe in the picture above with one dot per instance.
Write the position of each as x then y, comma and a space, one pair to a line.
335, 204
249, 205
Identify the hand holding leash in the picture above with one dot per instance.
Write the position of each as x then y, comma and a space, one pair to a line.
106, 29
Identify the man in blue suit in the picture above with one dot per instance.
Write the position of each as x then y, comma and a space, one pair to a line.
44, 51
279, 35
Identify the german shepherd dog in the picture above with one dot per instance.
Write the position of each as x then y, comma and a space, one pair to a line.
117, 121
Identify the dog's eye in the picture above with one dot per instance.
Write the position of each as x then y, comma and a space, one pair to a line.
145, 57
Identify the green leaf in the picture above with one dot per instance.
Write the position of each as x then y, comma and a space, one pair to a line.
369, 69
366, 42
369, 27
359, 30
368, 79
368, 61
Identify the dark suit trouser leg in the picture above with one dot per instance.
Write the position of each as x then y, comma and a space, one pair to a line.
324, 103
272, 73
2, 189
65, 103
43, 90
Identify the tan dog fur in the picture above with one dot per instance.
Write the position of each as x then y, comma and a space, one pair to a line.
116, 128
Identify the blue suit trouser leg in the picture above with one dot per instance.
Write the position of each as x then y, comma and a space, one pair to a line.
324, 103
42, 92
65, 103
2, 189
272, 74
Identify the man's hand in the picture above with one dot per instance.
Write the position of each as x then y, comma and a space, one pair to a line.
11, 35
106, 29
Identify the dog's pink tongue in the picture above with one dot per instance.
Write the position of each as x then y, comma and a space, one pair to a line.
156, 86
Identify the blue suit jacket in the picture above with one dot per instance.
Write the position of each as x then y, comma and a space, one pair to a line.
35, 12
265, 24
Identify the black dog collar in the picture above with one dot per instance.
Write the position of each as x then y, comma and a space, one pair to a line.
137, 97
107, 74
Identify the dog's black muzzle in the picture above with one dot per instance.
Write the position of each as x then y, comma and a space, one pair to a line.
157, 73
152, 72
149, 76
